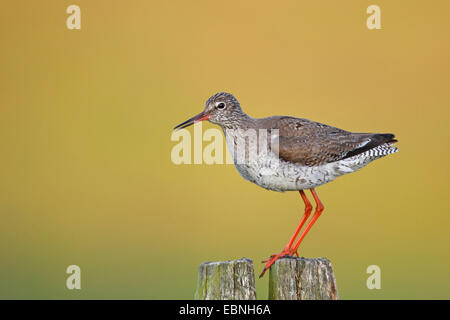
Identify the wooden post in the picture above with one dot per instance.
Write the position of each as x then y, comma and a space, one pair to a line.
227, 280
293, 278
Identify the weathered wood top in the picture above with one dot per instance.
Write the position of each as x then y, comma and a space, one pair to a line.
226, 280
293, 278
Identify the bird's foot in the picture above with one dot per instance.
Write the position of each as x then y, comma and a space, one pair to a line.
285, 252
275, 257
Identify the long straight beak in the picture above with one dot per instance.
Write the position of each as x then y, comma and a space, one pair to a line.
200, 117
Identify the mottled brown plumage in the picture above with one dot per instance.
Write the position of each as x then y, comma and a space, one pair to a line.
311, 143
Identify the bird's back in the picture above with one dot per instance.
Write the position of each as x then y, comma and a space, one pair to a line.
312, 143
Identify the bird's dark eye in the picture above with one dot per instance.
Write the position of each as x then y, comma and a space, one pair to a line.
221, 105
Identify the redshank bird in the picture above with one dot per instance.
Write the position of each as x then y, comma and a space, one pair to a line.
307, 154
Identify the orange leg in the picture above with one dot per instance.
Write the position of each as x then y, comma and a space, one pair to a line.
288, 249
308, 208
319, 210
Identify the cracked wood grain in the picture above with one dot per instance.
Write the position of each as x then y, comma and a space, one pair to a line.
226, 280
294, 278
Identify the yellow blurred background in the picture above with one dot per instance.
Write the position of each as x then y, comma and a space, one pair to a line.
86, 118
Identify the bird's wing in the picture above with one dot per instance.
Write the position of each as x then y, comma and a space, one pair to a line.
311, 143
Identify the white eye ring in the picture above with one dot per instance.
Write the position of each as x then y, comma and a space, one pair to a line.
220, 105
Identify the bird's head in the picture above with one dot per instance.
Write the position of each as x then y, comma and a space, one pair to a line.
222, 109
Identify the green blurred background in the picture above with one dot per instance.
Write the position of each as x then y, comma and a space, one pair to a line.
86, 118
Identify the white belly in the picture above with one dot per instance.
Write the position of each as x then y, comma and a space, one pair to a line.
270, 172
285, 176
